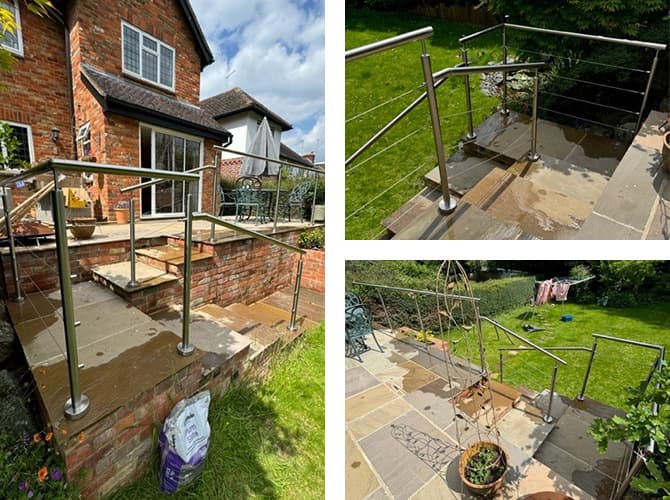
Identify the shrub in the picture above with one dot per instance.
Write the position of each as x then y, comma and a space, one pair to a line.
312, 239
498, 296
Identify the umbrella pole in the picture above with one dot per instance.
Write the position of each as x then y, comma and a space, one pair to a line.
277, 198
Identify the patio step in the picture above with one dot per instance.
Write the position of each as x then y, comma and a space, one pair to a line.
170, 257
631, 198
464, 171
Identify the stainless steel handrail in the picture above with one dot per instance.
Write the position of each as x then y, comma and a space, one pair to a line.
493, 68
388, 43
584, 36
96, 168
248, 232
127, 189
254, 234
524, 340
418, 292
472, 36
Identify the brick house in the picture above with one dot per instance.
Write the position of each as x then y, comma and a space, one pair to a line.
118, 82
241, 114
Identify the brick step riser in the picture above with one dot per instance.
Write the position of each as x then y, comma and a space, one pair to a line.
147, 300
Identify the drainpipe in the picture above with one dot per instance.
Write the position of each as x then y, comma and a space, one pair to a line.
68, 68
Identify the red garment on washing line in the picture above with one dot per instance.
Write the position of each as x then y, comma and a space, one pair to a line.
560, 291
543, 292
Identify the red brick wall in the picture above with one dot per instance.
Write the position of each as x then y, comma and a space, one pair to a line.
314, 270
35, 90
98, 29
230, 168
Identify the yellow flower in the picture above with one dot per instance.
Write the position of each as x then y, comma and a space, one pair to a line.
42, 474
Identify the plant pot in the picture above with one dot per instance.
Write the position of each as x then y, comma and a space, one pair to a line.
493, 484
121, 215
666, 152
546, 495
82, 228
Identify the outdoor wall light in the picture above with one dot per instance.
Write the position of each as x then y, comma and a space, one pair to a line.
55, 134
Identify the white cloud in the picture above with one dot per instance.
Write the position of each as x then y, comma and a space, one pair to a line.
272, 49
303, 142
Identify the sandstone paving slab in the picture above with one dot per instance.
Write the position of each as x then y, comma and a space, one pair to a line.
538, 477
463, 170
366, 401
407, 376
408, 453
436, 489
383, 415
559, 404
433, 401
525, 431
376, 362
357, 380
360, 480
379, 494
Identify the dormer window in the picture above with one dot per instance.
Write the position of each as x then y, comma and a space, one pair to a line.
8, 40
146, 57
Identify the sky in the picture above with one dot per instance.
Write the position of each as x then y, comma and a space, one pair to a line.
274, 51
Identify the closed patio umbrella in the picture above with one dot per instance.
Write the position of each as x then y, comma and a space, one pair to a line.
262, 145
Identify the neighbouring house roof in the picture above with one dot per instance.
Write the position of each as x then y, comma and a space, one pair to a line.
123, 97
288, 154
236, 101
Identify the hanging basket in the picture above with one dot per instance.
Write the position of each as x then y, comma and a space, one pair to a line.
496, 475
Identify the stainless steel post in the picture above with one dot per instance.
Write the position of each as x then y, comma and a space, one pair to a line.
6, 204
215, 195
133, 258
185, 348
534, 155
274, 230
423, 328
447, 204
468, 98
646, 92
548, 418
505, 109
580, 397
388, 318
500, 377
296, 296
78, 404
316, 185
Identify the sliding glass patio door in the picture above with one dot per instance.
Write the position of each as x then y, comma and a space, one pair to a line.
165, 150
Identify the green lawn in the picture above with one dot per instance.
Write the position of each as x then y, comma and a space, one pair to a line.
267, 439
615, 366
381, 77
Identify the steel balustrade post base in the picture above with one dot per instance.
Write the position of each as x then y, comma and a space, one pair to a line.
580, 397
533, 156
81, 410
447, 207
548, 419
470, 136
185, 350
504, 112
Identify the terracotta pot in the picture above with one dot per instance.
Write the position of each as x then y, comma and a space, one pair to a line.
547, 495
666, 152
481, 490
82, 228
121, 215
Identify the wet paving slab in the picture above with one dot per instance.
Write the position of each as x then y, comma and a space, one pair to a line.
366, 401
358, 379
360, 479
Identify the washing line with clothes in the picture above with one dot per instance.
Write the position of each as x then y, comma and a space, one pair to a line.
556, 288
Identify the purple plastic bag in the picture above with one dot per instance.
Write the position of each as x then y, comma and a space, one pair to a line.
183, 442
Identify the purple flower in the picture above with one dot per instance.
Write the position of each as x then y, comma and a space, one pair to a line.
30, 494
25, 437
56, 474
23, 485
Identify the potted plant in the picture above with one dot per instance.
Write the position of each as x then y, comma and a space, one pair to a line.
482, 468
121, 212
82, 228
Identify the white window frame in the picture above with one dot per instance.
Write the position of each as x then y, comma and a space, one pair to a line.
167, 131
19, 34
31, 150
84, 137
160, 44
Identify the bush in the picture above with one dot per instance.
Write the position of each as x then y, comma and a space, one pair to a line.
313, 239
497, 295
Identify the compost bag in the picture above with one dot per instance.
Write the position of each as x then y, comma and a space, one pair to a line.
183, 442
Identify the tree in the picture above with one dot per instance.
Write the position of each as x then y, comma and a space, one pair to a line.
8, 24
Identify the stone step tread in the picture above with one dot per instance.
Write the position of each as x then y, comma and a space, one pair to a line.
506, 391
172, 254
467, 222
540, 212
279, 316
463, 172
399, 220
118, 274
258, 332
630, 199
283, 299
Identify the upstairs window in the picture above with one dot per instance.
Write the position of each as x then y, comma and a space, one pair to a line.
147, 58
8, 40
16, 149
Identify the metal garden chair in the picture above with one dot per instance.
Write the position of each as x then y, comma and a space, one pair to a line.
357, 327
227, 198
248, 194
296, 198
